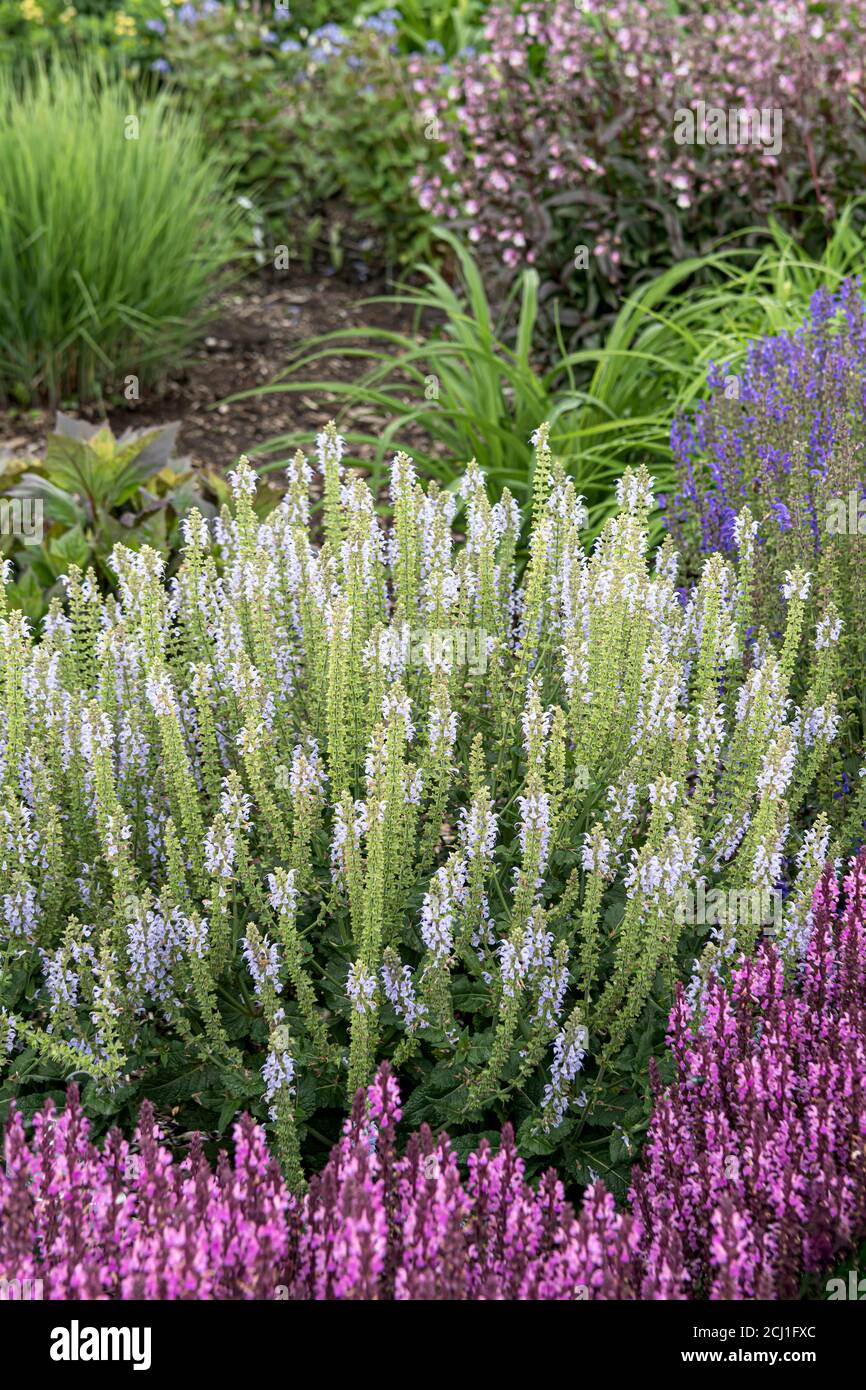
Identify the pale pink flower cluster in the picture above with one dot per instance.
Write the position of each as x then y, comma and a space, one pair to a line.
561, 131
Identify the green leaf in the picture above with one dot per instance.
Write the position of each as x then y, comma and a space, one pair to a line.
69, 549
531, 1139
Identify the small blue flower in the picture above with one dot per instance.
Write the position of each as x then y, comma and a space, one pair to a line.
382, 23
155, 26
160, 65
783, 516
330, 33
268, 36
290, 46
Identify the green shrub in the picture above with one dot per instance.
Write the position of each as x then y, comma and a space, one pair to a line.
45, 29
327, 121
428, 25
115, 229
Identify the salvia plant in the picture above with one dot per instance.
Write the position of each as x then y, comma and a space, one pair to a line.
782, 433
751, 1181
753, 1167
129, 1221
342, 791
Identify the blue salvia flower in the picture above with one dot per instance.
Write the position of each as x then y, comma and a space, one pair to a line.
279, 1075
263, 961
400, 992
8, 1030
155, 940
361, 988
569, 1052
805, 388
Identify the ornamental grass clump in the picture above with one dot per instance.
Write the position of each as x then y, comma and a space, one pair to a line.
117, 231
341, 791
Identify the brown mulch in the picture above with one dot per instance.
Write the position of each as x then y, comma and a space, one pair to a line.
257, 329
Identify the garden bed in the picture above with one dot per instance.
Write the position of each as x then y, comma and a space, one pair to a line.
432, 668
259, 326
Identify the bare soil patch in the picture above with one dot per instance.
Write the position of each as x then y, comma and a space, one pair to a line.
257, 330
